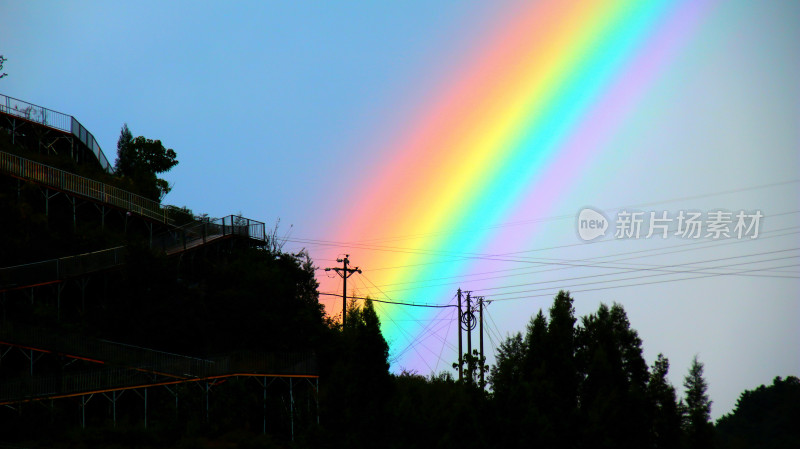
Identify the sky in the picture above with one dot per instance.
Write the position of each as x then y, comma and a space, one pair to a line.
450, 144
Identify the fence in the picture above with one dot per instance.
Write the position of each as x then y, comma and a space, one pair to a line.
115, 378
173, 241
26, 388
105, 379
205, 230
127, 365
61, 268
56, 120
89, 188
109, 352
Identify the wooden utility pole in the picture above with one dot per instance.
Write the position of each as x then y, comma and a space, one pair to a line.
460, 350
480, 305
470, 323
345, 273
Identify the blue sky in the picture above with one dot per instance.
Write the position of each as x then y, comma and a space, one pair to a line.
276, 108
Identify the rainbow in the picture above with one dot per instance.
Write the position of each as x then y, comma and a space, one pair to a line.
517, 125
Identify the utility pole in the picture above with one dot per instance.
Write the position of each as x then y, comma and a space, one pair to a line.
480, 305
460, 350
345, 273
470, 324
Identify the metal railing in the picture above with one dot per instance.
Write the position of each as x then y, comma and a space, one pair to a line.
37, 387
155, 361
61, 268
274, 363
56, 120
206, 230
110, 352
79, 185
179, 239
110, 378
127, 365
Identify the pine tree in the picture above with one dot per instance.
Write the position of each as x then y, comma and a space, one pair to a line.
506, 374
367, 383
561, 372
613, 392
535, 345
665, 414
537, 422
124, 163
697, 427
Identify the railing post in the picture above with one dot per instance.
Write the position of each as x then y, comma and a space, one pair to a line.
291, 405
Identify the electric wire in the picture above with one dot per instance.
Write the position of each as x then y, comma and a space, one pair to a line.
412, 342
663, 269
583, 263
400, 328
698, 271
658, 252
543, 219
631, 285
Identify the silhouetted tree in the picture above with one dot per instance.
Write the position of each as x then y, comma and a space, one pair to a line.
507, 370
438, 412
698, 430
2, 61
666, 418
362, 385
561, 370
563, 385
372, 347
537, 427
535, 345
124, 162
613, 400
508, 391
140, 160
764, 417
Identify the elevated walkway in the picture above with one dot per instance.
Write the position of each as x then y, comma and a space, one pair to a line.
173, 242
57, 270
73, 184
206, 231
17, 114
121, 366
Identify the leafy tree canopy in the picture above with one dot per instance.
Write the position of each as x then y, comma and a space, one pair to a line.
764, 417
141, 159
587, 385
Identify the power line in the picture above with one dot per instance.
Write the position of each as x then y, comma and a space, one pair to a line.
700, 270
365, 244
658, 252
639, 283
344, 273
412, 341
663, 269
455, 255
399, 303
569, 264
